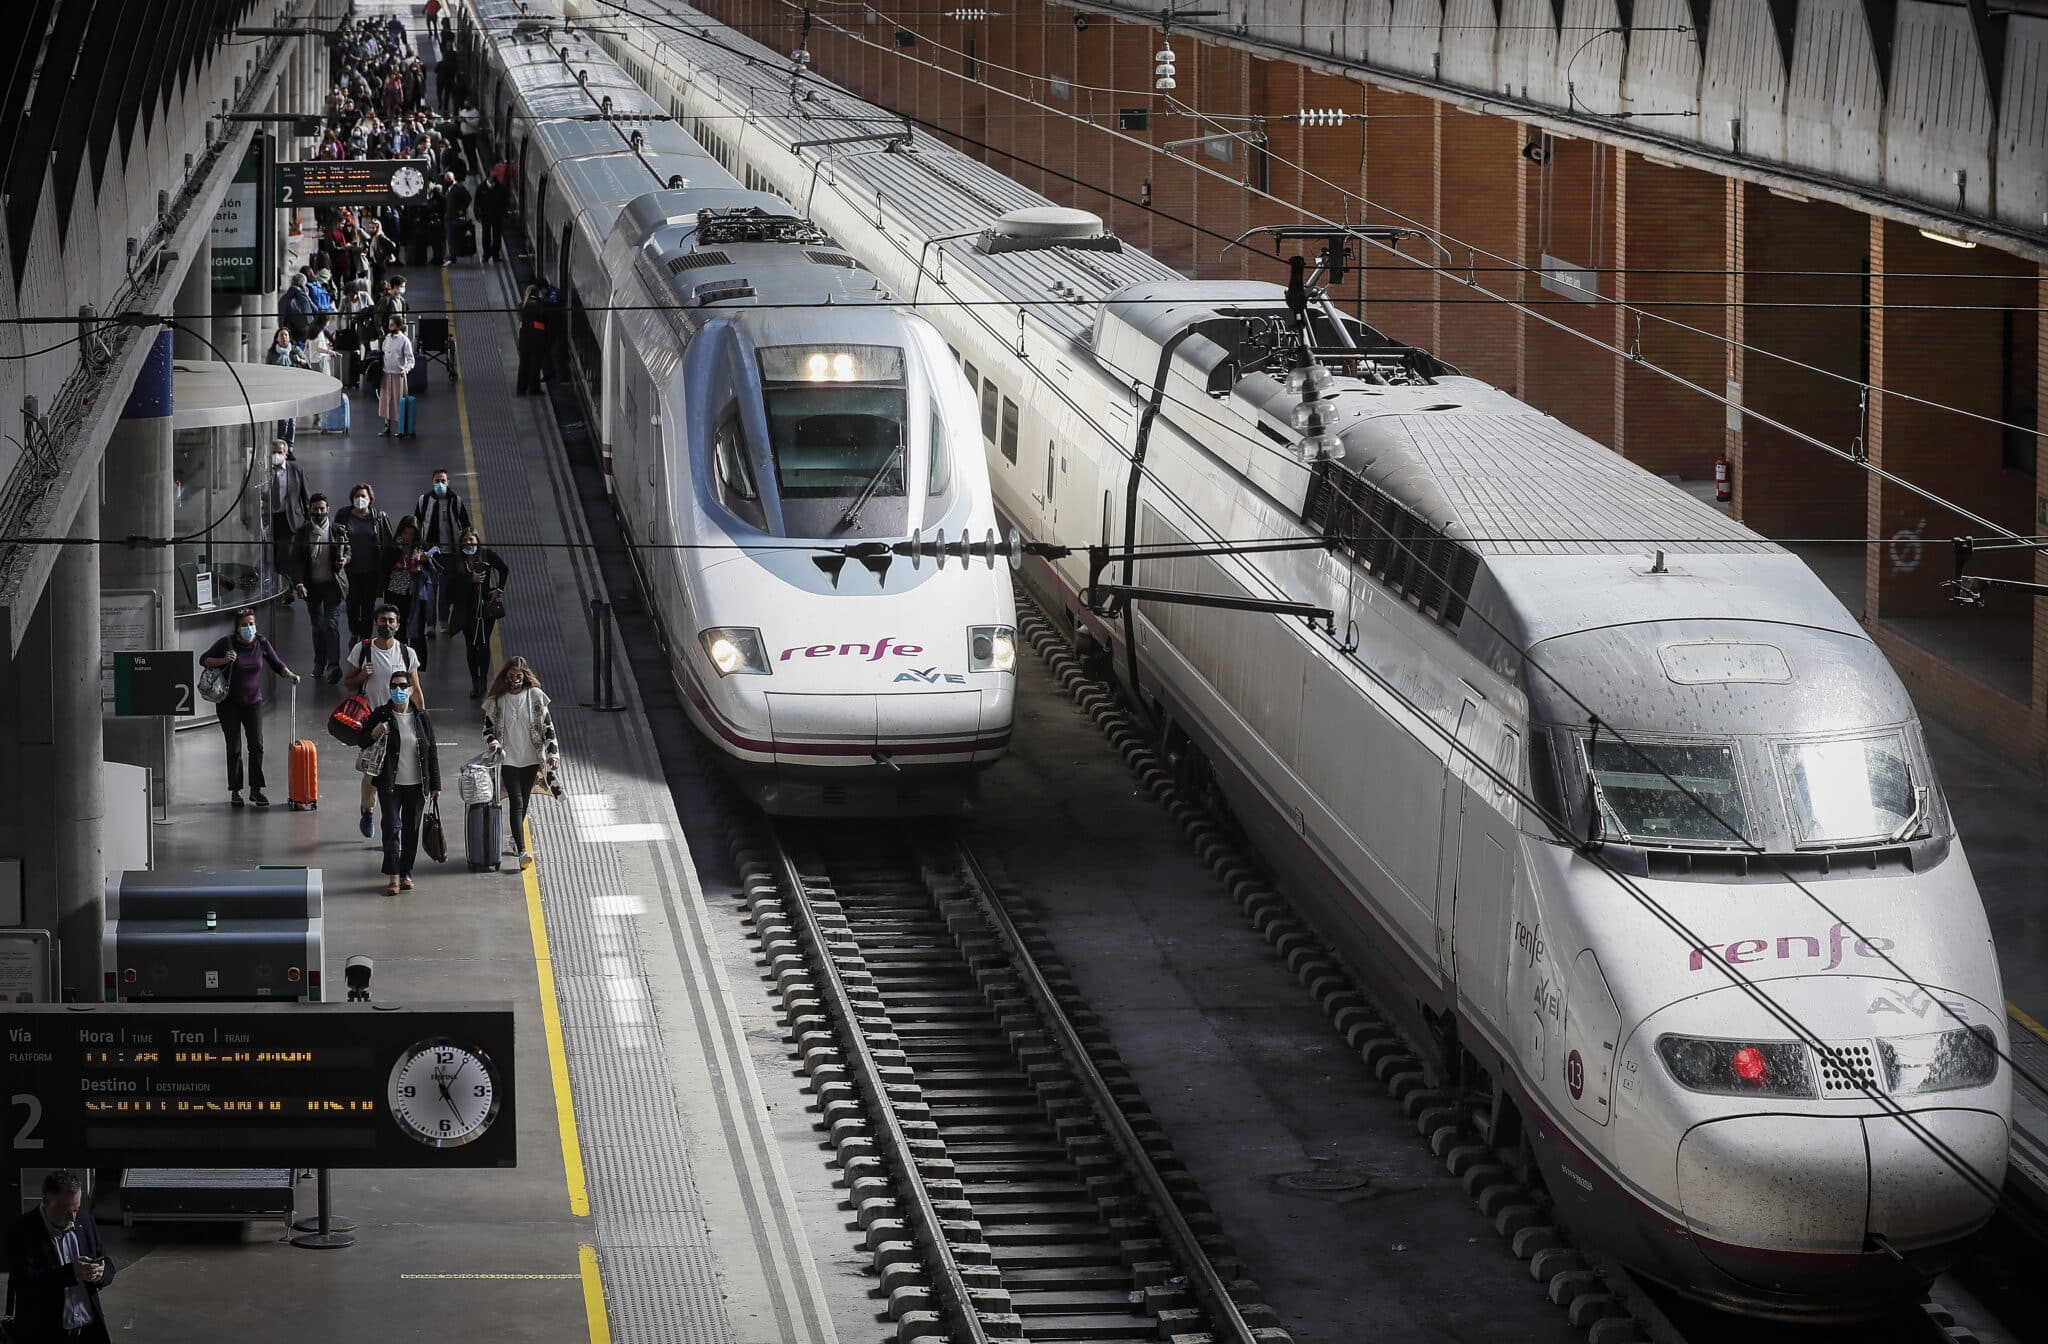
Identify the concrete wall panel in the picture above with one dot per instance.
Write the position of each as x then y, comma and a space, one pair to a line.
1742, 90
1938, 122
1529, 63
1594, 48
1417, 29
1470, 39
2023, 125
1834, 102
1663, 72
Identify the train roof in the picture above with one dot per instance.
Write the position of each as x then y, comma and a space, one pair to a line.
1497, 474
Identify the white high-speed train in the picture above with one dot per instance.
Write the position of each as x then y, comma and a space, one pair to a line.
1786, 1109
773, 424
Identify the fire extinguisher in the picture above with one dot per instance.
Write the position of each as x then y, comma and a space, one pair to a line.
1724, 488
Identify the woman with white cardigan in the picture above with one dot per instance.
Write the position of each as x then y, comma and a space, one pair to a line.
397, 364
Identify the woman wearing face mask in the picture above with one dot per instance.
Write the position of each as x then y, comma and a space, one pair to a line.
369, 543
518, 728
411, 774
397, 351
477, 575
403, 568
284, 353
242, 712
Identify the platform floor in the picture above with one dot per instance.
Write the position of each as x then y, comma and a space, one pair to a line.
642, 1125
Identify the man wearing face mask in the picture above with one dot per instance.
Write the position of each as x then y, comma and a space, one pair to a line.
57, 1268
371, 665
444, 516
369, 537
285, 494
241, 714
320, 556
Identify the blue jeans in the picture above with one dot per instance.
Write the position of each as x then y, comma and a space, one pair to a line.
425, 596
401, 806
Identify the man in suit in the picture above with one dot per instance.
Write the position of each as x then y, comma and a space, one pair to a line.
57, 1268
284, 496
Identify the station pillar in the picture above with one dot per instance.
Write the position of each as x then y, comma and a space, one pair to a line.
136, 500
194, 309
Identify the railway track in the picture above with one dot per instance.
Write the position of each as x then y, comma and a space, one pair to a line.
1008, 1180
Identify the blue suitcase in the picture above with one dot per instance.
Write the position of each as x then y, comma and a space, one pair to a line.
408, 417
336, 421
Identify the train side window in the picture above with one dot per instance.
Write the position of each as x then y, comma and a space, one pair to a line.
1009, 429
942, 456
973, 375
988, 410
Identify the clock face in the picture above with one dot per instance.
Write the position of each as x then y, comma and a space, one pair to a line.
443, 1094
408, 182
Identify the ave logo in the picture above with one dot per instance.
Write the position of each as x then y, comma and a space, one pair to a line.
931, 676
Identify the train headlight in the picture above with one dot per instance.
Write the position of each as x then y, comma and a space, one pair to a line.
1738, 1068
1940, 1061
991, 648
735, 649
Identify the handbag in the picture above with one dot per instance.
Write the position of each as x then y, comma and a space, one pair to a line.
432, 839
491, 609
370, 760
476, 784
401, 581
213, 684
348, 721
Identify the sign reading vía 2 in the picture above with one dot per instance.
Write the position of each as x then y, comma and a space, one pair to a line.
259, 1085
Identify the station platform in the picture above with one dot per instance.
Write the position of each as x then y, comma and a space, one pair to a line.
650, 1201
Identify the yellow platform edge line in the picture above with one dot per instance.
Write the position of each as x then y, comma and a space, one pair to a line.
593, 1295
2021, 1016
536, 922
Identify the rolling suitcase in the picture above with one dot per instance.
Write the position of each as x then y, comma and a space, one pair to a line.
484, 836
303, 790
408, 417
416, 379
336, 421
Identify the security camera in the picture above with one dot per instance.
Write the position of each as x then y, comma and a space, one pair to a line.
1081, 22
357, 971
1537, 151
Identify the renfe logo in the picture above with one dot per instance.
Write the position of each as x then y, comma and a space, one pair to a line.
873, 653
1796, 947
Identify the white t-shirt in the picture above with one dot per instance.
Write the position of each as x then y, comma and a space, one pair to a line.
405, 734
384, 662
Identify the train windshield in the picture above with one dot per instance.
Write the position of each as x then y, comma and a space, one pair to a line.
1668, 793
1850, 790
837, 428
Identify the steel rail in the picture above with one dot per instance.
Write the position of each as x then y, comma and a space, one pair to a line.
1225, 1319
925, 1224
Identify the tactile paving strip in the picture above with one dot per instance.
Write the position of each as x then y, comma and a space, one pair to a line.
654, 1247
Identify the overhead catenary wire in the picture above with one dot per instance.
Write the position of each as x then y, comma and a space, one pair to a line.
1435, 233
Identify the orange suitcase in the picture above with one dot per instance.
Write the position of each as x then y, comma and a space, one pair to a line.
304, 789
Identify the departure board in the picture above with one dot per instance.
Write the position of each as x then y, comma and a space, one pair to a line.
285, 1084
310, 182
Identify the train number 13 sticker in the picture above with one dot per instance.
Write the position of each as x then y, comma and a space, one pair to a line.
1575, 1074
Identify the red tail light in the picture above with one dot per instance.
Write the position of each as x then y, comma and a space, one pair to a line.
1749, 1064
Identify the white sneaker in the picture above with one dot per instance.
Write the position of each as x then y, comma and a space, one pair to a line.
526, 858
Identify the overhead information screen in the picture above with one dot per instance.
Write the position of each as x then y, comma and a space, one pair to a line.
282, 1085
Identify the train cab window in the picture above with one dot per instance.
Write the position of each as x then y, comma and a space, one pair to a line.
837, 427
989, 396
735, 477
1009, 429
1667, 793
1851, 791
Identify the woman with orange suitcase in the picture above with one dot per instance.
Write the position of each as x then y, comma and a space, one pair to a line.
245, 654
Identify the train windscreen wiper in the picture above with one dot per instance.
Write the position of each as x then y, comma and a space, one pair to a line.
867, 492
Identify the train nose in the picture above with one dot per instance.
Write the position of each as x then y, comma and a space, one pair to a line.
1772, 1198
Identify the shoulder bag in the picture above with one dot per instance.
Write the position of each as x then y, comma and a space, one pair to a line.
370, 760
213, 684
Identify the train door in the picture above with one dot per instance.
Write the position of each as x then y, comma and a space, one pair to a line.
1591, 1024
1475, 874
1451, 834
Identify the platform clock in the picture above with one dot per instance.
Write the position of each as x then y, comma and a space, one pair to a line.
408, 182
443, 1093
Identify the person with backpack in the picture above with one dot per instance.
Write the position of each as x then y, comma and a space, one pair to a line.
370, 667
409, 776
520, 732
535, 317
493, 198
444, 517
245, 654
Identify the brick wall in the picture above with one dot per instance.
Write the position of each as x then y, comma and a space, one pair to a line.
1480, 212
1570, 204
1671, 235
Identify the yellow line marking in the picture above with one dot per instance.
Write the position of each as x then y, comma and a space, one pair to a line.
536, 922
593, 1293
2020, 1015
492, 1277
